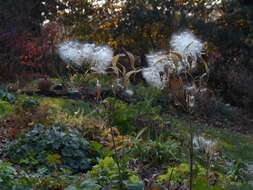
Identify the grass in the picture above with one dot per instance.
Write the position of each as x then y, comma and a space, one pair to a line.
68, 105
236, 145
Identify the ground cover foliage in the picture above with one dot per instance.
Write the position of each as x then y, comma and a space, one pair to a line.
126, 95
152, 152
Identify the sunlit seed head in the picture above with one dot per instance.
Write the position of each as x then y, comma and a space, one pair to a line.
87, 51
70, 52
76, 53
187, 45
152, 77
102, 58
157, 60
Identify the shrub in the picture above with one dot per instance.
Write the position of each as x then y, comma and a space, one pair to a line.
124, 116
6, 96
29, 104
5, 108
11, 179
51, 147
233, 80
157, 152
24, 116
105, 175
179, 176
7, 174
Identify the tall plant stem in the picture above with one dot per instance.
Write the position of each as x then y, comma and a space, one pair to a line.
189, 112
117, 159
191, 154
111, 109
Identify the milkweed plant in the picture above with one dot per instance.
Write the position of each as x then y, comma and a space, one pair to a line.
184, 46
185, 49
98, 58
177, 63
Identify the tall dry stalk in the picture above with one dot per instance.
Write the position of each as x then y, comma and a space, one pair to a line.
185, 91
110, 108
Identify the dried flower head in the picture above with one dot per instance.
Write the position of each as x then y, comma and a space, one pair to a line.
158, 60
70, 52
99, 57
87, 51
204, 145
152, 76
102, 58
184, 46
187, 45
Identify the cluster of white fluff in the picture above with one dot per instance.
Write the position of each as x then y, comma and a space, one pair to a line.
102, 58
204, 145
156, 63
73, 52
157, 60
152, 76
185, 44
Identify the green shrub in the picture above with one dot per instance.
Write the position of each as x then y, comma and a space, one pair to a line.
7, 174
105, 175
123, 115
5, 108
6, 96
166, 153
179, 176
10, 179
30, 104
237, 170
51, 147
181, 173
106, 172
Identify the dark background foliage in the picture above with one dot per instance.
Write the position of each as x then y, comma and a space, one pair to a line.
136, 25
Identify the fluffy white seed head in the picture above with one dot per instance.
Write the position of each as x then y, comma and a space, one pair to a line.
187, 45
102, 58
70, 52
76, 53
152, 77
87, 51
158, 60
203, 144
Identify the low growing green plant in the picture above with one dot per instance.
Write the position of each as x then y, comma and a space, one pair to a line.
105, 175
7, 175
10, 179
5, 109
41, 146
154, 152
123, 115
30, 104
6, 96
178, 176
